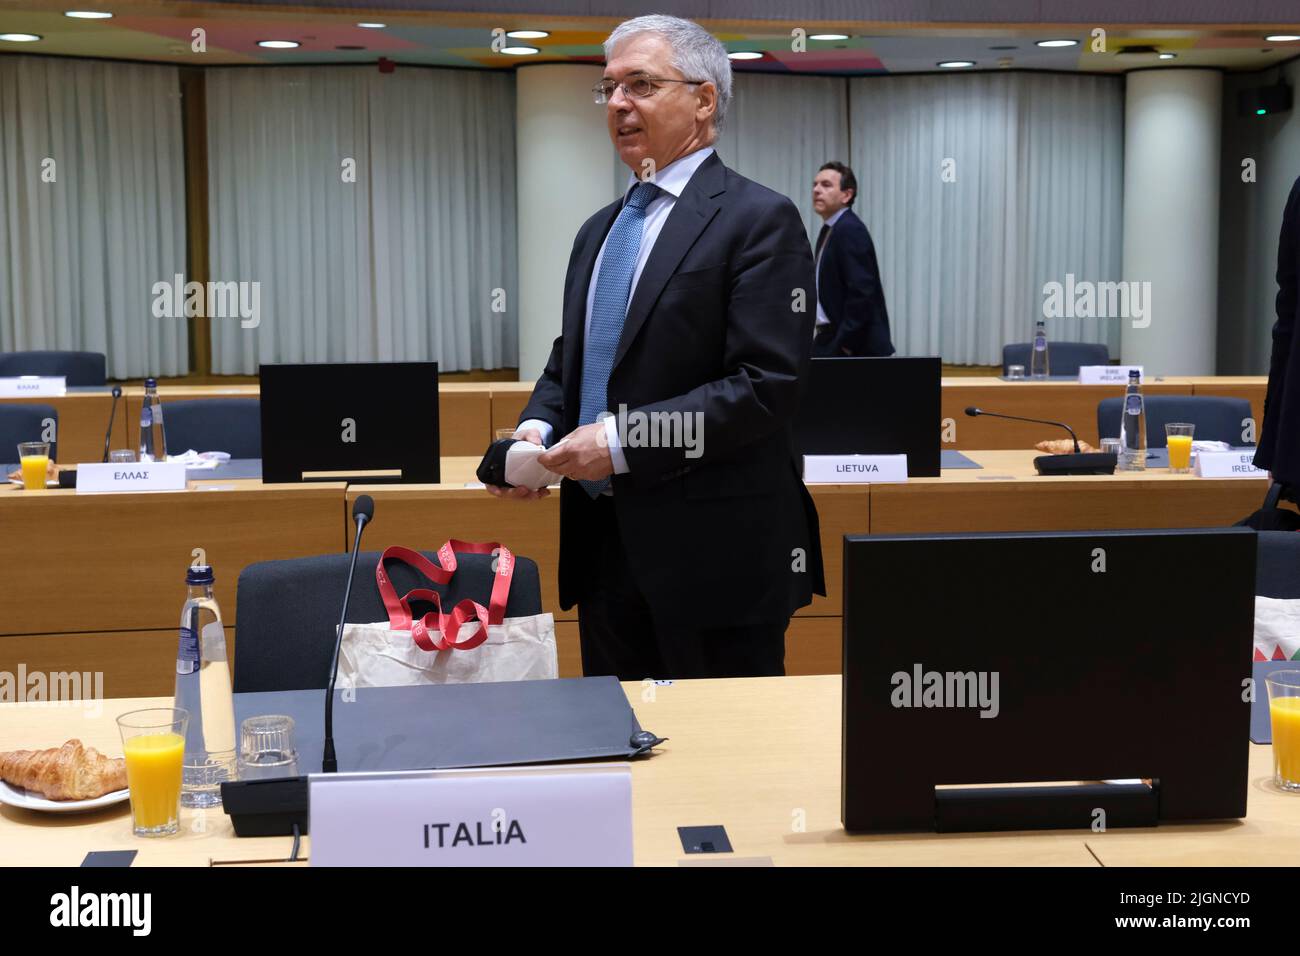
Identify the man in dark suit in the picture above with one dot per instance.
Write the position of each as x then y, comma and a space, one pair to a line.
851, 314
687, 537
1279, 442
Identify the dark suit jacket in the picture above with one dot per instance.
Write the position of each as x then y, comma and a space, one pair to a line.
1279, 443
850, 291
711, 328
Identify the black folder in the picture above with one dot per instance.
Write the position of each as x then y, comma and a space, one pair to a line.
458, 725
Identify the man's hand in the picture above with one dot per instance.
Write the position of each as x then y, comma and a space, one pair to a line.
582, 455
525, 494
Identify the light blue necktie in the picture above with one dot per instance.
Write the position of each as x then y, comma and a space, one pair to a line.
609, 309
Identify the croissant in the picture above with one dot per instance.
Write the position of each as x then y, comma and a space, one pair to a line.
72, 772
1062, 446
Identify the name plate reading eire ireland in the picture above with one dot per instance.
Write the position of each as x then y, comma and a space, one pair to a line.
1107, 374
1227, 464
854, 469
97, 477
578, 815
33, 386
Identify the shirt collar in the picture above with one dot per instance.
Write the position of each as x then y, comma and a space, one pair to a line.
673, 178
835, 218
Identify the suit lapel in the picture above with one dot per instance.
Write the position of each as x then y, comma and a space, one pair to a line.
827, 260
692, 212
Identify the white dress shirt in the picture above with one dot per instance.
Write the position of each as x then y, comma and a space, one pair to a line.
821, 313
671, 180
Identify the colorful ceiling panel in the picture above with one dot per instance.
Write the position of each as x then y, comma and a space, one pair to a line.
154, 30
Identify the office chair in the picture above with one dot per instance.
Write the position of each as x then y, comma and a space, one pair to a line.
79, 368
232, 425
1217, 418
1064, 357
287, 611
24, 422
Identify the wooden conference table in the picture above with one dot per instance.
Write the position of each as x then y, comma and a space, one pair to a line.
1057, 400
779, 802
100, 581
470, 412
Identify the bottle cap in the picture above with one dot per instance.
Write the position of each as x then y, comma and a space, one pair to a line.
151, 383
199, 574
1133, 373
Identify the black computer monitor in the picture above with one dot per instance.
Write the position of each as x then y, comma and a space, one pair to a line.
362, 421
872, 406
1096, 656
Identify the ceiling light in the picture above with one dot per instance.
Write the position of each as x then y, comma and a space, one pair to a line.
745, 55
372, 26
1167, 56
1051, 44
88, 14
520, 50
829, 36
278, 44
527, 34
955, 64
1281, 38
20, 37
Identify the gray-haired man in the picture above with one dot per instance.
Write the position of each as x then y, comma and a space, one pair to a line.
688, 311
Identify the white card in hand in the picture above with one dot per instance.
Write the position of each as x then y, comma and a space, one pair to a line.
523, 470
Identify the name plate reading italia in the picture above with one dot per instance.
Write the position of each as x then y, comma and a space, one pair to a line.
574, 815
97, 478
854, 469
33, 386
1107, 374
1228, 464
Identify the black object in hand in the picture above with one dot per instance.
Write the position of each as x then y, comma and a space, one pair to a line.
492, 469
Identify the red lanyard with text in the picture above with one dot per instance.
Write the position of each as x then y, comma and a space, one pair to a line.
436, 631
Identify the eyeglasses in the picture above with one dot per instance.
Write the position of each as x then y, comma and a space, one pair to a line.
637, 86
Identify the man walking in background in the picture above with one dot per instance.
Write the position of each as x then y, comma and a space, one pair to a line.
851, 314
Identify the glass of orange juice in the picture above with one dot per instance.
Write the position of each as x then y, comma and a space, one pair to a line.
1178, 441
1284, 708
35, 458
153, 741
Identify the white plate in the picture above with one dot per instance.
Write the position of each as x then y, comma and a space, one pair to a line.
17, 797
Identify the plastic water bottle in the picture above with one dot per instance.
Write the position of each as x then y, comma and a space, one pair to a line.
203, 688
1132, 427
153, 439
1039, 367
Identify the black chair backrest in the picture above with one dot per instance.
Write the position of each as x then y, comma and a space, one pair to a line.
1216, 417
286, 611
24, 422
1277, 570
79, 368
232, 425
1064, 357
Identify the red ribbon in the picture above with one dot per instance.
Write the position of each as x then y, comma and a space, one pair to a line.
437, 631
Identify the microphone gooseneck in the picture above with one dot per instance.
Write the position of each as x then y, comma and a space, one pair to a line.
112, 414
363, 511
974, 412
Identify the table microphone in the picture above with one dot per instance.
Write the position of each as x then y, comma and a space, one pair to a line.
1077, 463
974, 412
363, 510
108, 435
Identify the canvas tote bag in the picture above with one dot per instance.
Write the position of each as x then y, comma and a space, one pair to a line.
471, 644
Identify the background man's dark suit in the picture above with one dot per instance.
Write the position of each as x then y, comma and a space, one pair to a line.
851, 294
1279, 443
710, 541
